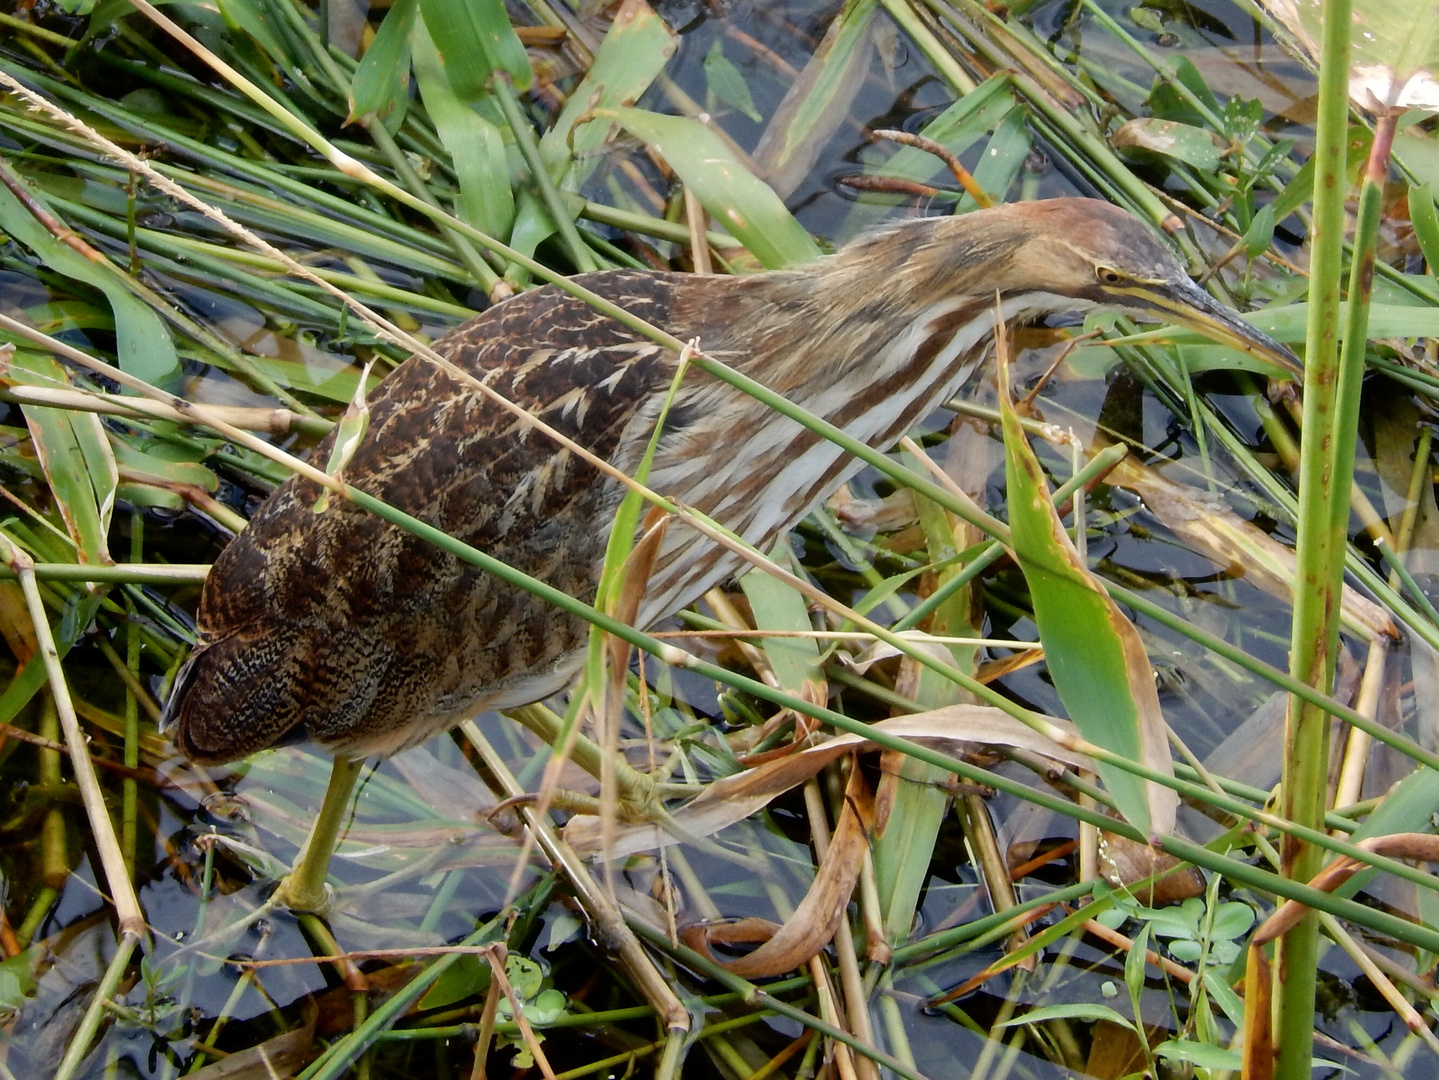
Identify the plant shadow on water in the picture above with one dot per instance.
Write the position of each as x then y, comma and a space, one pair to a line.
431, 845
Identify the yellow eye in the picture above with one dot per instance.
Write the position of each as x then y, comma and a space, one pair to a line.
1107, 276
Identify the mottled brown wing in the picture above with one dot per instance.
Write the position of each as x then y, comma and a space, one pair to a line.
341, 627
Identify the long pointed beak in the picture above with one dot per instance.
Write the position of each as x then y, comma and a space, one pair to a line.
1187, 305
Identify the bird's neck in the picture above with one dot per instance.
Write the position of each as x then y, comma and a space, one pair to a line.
818, 333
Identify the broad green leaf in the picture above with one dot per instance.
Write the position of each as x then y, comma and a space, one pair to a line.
1409, 807
1188, 74
1223, 995
476, 38
382, 81
1134, 969
1286, 324
727, 82
334, 383
476, 146
1148, 18
1095, 657
149, 496
1260, 233
633, 53
1166, 102
76, 457
466, 977
735, 198
903, 845
1394, 49
1419, 155
17, 979
1231, 920
142, 342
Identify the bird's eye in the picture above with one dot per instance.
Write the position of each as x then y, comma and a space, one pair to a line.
1107, 276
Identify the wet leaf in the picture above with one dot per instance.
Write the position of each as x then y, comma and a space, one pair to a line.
382, 80
808, 930
735, 198
163, 465
727, 82
1425, 218
1094, 654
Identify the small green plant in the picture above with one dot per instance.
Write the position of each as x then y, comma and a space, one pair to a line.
1193, 932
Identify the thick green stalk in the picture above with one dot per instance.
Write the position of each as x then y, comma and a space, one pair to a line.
1324, 482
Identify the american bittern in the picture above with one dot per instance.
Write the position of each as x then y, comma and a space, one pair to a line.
342, 628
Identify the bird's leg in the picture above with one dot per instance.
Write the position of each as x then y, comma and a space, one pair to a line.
303, 888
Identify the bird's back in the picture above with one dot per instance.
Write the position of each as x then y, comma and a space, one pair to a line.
341, 627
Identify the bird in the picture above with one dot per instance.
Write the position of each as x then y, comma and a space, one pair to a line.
341, 628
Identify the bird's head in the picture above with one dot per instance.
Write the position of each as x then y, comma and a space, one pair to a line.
1097, 254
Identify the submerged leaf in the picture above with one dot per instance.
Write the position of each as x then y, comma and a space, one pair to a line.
727, 82
955, 729
631, 56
